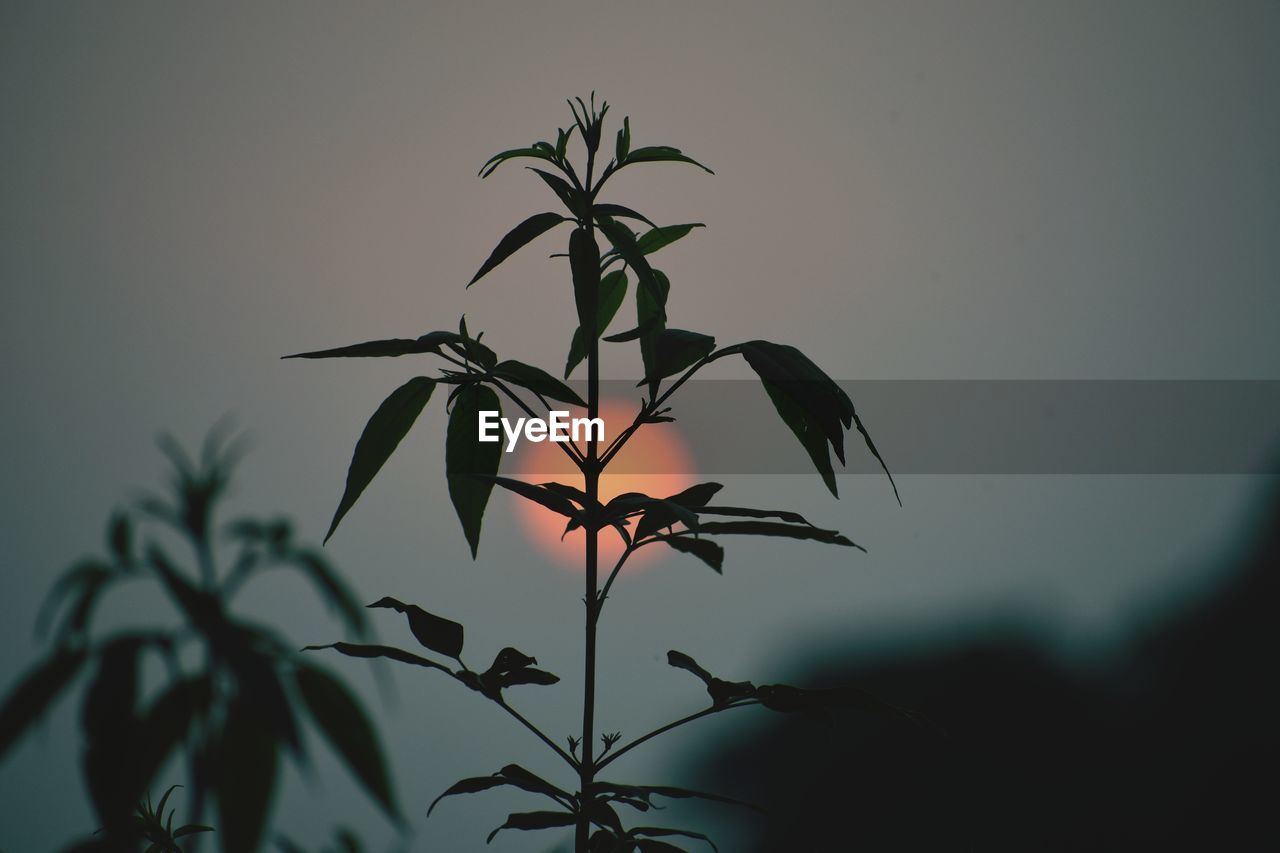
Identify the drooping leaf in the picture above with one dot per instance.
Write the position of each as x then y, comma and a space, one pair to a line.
705, 550
636, 332
773, 528
584, 262
498, 159
663, 832
466, 455
659, 238
533, 227
349, 731
674, 350
539, 494
722, 692
37, 689
617, 211
806, 432
537, 381
473, 785
244, 777
534, 820
360, 650
434, 632
660, 153
746, 512
381, 435
613, 289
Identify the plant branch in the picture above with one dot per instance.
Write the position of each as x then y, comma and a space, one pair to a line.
604, 593
705, 712
572, 762
648, 410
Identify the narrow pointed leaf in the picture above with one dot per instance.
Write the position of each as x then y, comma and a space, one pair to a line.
360, 650
534, 820
705, 550
658, 238
613, 289
539, 494
660, 153
805, 431
518, 237
347, 727
617, 211
498, 159
382, 434
244, 778
674, 350
466, 455
773, 528
658, 831
389, 348
569, 197
746, 512
473, 785
635, 333
584, 261
38, 688
537, 380
625, 244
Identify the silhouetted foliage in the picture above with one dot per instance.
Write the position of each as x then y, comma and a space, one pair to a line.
235, 694
812, 406
1168, 744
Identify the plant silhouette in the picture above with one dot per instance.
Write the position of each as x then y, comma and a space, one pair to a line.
235, 692
604, 254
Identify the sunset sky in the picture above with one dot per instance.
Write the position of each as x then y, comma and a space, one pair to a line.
923, 190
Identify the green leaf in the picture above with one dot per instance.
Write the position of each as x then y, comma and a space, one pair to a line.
498, 159
389, 348
584, 261
382, 434
358, 650
613, 288
568, 196
652, 241
349, 731
705, 550
618, 211
674, 350
244, 776
624, 243
662, 153
773, 528
540, 494
533, 227
434, 632
651, 315
637, 332
37, 689
623, 146
534, 820
465, 455
537, 380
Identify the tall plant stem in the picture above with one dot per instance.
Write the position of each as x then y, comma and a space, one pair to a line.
591, 474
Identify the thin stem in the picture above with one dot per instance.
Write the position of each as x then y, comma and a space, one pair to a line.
591, 473
648, 410
705, 712
537, 731
604, 593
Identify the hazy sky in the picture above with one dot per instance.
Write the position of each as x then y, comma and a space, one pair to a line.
904, 190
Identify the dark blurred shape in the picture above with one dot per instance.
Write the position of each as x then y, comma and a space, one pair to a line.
235, 693
1171, 747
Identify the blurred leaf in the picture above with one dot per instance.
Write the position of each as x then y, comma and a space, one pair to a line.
660, 153
704, 549
244, 778
646, 792
533, 227
538, 381
333, 589
658, 238
120, 538
382, 434
534, 820
107, 719
85, 581
357, 650
434, 632
466, 455
613, 288
349, 731
166, 724
39, 686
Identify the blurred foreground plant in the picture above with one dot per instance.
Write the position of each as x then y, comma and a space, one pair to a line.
234, 692
602, 253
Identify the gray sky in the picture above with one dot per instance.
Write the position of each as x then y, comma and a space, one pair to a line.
904, 190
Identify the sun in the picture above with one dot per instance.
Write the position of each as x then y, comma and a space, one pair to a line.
654, 461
